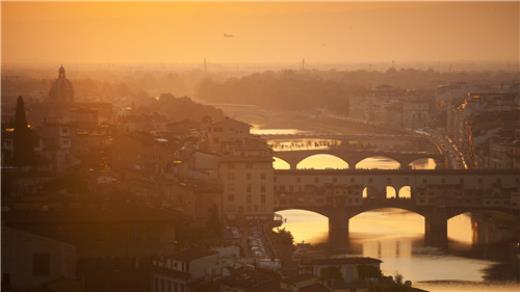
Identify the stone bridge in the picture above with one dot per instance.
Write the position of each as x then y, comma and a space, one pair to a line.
346, 137
437, 195
353, 157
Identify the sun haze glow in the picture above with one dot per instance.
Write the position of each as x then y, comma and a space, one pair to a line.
258, 32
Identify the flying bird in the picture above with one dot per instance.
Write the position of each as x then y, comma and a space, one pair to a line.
227, 35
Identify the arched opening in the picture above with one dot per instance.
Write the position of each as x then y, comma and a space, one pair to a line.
405, 192
365, 193
423, 163
279, 163
390, 192
387, 233
322, 161
306, 226
480, 227
378, 162
388, 221
460, 228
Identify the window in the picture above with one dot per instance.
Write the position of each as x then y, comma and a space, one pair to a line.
249, 198
231, 197
249, 165
231, 165
248, 188
262, 199
248, 176
41, 264
262, 189
262, 176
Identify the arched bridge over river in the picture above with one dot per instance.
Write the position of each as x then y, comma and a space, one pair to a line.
437, 195
353, 157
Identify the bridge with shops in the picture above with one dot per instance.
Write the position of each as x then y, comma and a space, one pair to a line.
437, 195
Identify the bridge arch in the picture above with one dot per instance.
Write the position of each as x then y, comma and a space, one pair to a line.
464, 226
279, 163
423, 163
408, 208
319, 211
384, 162
327, 160
388, 221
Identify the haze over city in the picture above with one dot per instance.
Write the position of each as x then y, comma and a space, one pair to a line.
260, 146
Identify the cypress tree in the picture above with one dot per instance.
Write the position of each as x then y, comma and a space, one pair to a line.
23, 148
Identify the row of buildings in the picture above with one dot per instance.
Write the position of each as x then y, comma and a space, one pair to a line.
118, 199
391, 107
123, 199
485, 127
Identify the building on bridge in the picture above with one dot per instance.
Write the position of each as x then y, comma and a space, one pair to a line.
437, 195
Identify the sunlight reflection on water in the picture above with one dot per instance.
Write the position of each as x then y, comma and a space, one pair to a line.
393, 235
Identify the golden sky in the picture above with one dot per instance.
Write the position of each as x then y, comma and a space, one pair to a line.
61, 32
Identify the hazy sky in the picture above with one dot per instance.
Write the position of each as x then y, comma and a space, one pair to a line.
59, 32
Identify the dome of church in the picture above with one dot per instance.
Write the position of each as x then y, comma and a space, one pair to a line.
61, 90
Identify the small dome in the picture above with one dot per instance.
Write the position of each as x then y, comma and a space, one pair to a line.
61, 90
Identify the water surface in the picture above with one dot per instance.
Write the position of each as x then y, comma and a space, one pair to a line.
396, 236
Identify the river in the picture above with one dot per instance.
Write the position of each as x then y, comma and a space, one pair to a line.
396, 236
392, 235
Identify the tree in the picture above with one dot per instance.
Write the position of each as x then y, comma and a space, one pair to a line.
23, 144
398, 279
284, 236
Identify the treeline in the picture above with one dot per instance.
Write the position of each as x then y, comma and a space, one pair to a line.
318, 89
282, 90
183, 108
